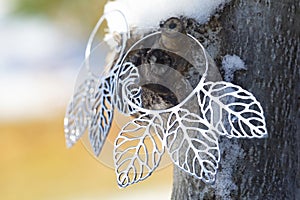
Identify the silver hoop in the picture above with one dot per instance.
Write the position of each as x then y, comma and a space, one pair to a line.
188, 131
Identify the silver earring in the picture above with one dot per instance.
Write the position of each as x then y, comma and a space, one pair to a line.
187, 124
79, 112
190, 130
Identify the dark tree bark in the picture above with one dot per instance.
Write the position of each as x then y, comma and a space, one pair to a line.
265, 34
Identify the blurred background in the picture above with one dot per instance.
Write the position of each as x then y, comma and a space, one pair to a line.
42, 44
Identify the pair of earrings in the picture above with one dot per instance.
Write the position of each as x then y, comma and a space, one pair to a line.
166, 82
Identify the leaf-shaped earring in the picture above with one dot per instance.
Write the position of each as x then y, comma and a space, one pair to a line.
239, 113
167, 81
192, 144
138, 149
189, 130
80, 111
120, 82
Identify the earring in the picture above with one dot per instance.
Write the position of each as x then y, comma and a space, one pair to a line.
166, 81
188, 131
80, 109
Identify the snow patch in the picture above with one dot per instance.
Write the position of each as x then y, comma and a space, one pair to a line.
231, 153
148, 13
231, 64
224, 182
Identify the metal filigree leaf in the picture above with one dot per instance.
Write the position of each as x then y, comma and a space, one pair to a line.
128, 87
231, 110
193, 147
78, 112
102, 114
138, 149
189, 130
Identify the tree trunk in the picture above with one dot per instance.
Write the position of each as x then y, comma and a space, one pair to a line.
265, 34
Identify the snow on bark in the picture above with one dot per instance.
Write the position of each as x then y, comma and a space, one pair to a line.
231, 64
148, 13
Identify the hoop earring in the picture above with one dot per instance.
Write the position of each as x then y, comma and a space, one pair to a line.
79, 111
189, 131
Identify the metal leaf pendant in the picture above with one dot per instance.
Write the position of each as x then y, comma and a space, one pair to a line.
188, 131
192, 145
138, 149
102, 114
78, 114
190, 139
239, 115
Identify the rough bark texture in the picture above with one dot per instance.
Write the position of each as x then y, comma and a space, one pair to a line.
265, 34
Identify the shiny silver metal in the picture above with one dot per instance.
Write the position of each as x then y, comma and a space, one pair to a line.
188, 131
80, 109
189, 135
